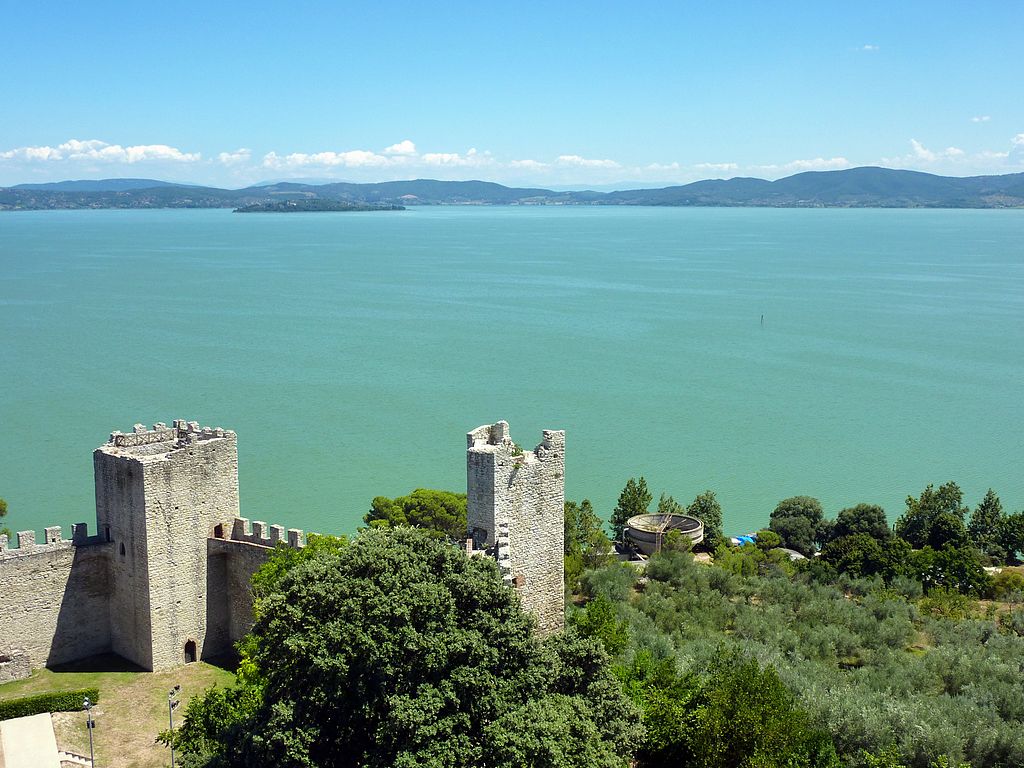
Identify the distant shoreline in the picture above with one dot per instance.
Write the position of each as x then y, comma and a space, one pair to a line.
867, 187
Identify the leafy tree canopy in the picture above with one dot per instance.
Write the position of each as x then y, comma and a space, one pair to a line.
705, 507
861, 554
915, 524
863, 518
4, 530
1010, 534
586, 543
443, 513
985, 522
634, 500
398, 650
800, 522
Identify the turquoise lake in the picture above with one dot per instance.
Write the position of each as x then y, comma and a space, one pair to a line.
851, 355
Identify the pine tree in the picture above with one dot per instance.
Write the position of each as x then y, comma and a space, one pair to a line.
634, 500
985, 522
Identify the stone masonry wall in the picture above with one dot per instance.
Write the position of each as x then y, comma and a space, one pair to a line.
162, 493
54, 600
524, 491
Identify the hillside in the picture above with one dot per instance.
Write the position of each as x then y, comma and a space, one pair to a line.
852, 188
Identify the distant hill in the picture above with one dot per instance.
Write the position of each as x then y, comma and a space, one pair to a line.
852, 188
100, 185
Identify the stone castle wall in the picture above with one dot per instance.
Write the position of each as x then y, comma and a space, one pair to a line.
521, 492
55, 600
169, 568
160, 493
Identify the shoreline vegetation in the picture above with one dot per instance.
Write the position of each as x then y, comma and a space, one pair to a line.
314, 205
867, 187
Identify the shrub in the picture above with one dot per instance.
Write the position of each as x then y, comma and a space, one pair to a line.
61, 701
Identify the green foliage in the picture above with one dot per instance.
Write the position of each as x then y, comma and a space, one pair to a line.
598, 621
441, 513
916, 523
586, 543
669, 506
862, 554
767, 540
284, 558
4, 530
634, 500
800, 522
985, 524
615, 581
954, 568
398, 650
738, 715
1010, 536
1008, 585
62, 701
868, 519
705, 507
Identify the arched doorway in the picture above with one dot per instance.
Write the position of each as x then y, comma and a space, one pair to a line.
190, 651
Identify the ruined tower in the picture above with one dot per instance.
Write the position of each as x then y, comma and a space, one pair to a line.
516, 510
160, 494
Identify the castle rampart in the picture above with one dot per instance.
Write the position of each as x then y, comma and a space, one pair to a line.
166, 577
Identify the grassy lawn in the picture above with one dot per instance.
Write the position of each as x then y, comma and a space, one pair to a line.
132, 708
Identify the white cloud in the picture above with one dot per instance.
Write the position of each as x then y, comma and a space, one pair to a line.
814, 164
238, 157
576, 161
1018, 140
921, 153
717, 167
980, 119
868, 47
355, 158
529, 165
405, 147
94, 150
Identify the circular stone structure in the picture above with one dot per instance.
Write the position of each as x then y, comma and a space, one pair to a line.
647, 532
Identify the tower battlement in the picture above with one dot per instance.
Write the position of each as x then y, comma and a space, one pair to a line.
27, 544
266, 536
178, 435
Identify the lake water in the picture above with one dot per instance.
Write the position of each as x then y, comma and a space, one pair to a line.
351, 352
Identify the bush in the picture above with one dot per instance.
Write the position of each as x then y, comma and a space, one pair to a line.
61, 701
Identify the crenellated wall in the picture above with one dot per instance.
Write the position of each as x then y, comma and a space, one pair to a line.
55, 606
167, 575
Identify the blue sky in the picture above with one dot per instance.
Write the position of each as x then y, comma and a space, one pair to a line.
554, 94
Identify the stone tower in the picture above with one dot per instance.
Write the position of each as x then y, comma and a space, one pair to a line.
516, 509
160, 494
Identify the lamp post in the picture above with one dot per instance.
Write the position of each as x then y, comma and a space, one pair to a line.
87, 705
171, 704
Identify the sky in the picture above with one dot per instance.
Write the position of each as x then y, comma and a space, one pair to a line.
568, 94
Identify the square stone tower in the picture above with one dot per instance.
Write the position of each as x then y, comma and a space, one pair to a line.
516, 509
160, 494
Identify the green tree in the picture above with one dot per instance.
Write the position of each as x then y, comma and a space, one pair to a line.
398, 650
442, 513
915, 524
861, 554
954, 568
743, 716
767, 540
705, 507
984, 527
634, 500
4, 530
800, 522
586, 543
669, 506
862, 518
1010, 535
598, 620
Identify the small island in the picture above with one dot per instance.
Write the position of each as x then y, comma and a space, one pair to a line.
314, 205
